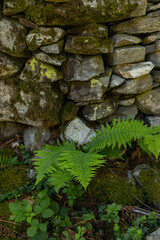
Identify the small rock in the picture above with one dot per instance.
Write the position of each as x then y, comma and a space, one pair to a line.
134, 70
153, 7
153, 120
53, 59
154, 235
15, 6
126, 102
156, 76
78, 131
153, 47
154, 58
8, 129
27, 23
54, 48
151, 38
116, 81
121, 40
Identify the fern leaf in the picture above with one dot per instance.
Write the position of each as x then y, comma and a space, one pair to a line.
153, 143
59, 179
144, 147
46, 160
112, 153
81, 165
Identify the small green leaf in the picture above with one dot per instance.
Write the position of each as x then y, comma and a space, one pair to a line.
37, 209
45, 203
31, 231
88, 216
46, 213
40, 236
35, 222
43, 227
55, 207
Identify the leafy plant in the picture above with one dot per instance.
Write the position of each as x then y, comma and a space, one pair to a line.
7, 158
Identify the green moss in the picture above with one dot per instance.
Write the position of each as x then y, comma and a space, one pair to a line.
69, 111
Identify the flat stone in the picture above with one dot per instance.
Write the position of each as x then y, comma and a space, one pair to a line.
134, 70
12, 38
30, 105
43, 36
153, 47
9, 129
34, 138
121, 40
149, 102
153, 120
15, 6
152, 8
156, 76
127, 55
98, 111
53, 59
88, 45
78, 131
135, 86
126, 102
154, 58
27, 23
54, 48
122, 112
8, 66
154, 235
82, 68
151, 38
91, 90
38, 71
147, 24
116, 81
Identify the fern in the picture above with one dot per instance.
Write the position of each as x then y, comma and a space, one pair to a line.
152, 142
7, 158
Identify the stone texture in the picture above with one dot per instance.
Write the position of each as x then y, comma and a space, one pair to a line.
121, 40
122, 112
156, 76
15, 6
147, 24
149, 102
8, 66
53, 59
12, 38
54, 48
68, 112
153, 47
126, 101
127, 55
36, 106
154, 58
116, 81
34, 138
98, 111
151, 38
153, 120
24, 22
9, 129
88, 45
78, 131
92, 90
38, 71
43, 36
79, 68
154, 235
152, 8
135, 86
134, 70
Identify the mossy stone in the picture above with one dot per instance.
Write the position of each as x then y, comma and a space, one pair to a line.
69, 111
14, 6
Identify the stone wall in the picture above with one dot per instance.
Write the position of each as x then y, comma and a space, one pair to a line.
94, 59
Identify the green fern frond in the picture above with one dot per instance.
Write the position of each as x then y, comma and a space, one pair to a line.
144, 147
152, 142
46, 160
81, 165
7, 158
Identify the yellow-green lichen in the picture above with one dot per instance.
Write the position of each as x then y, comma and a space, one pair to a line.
95, 82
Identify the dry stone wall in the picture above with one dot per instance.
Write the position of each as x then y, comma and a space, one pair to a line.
74, 63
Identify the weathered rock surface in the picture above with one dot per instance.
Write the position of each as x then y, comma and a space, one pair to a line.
156, 76
153, 7
147, 24
8, 129
43, 36
116, 81
126, 101
79, 68
12, 38
88, 45
38, 71
134, 70
135, 86
151, 38
153, 47
153, 120
78, 131
53, 59
91, 90
149, 102
8, 66
15, 6
122, 112
54, 48
84, 12
123, 55
34, 138
154, 235
68, 111
36, 106
155, 58
98, 111
121, 40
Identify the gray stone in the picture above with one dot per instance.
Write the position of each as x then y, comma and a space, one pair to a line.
34, 138
135, 86
54, 48
155, 58
153, 120
127, 55
91, 90
151, 38
8, 66
8, 129
126, 102
156, 76
153, 47
147, 24
43, 36
138, 171
38, 71
134, 70
78, 131
149, 102
79, 68
98, 111
121, 40
116, 81
24, 22
12, 38
154, 235
152, 8
15, 6
122, 112
88, 45
53, 59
